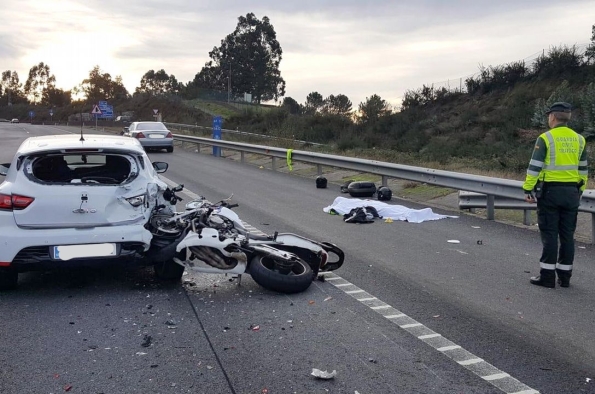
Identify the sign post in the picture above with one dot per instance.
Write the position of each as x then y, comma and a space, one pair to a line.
96, 111
52, 115
31, 115
217, 123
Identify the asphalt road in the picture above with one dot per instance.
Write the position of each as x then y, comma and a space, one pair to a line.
407, 313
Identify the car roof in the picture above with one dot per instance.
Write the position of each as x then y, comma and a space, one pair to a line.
72, 141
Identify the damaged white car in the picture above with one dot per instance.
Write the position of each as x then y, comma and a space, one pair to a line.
74, 200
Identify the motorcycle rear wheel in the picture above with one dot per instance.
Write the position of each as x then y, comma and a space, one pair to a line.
263, 270
168, 270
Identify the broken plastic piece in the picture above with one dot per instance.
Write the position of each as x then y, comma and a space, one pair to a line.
323, 374
453, 241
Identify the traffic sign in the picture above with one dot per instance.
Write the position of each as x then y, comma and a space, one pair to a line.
155, 111
96, 110
107, 111
51, 112
31, 114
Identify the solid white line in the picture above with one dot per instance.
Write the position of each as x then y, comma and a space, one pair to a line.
429, 336
496, 376
380, 307
446, 348
367, 299
470, 361
526, 392
411, 325
355, 291
344, 284
333, 278
395, 316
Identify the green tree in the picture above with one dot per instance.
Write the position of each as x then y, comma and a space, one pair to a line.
13, 89
372, 109
314, 103
337, 105
291, 106
39, 80
101, 86
53, 96
247, 60
158, 83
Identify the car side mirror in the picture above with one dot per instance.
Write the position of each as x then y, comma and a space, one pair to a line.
160, 167
4, 168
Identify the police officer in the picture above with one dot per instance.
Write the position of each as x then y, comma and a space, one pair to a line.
556, 179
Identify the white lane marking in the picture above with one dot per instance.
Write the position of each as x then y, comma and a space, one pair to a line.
447, 348
380, 307
500, 380
496, 376
505, 383
367, 299
411, 325
471, 361
428, 336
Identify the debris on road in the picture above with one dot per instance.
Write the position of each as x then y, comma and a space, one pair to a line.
480, 242
453, 241
311, 302
328, 298
67, 387
254, 327
323, 374
373, 360
146, 341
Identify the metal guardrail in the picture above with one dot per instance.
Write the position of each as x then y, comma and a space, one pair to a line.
188, 127
490, 187
471, 200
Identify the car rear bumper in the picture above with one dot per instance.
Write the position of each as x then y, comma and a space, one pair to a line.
156, 142
25, 249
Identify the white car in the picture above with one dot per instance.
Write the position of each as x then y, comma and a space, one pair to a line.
14, 120
68, 202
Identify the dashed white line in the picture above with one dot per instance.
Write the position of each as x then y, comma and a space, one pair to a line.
380, 307
428, 336
395, 316
355, 291
471, 361
344, 284
411, 325
367, 299
496, 376
447, 348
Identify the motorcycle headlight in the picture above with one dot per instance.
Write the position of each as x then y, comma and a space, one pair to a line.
152, 190
136, 201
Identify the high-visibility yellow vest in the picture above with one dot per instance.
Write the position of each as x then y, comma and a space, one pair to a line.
564, 148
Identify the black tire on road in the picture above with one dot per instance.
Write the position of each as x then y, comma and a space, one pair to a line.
262, 270
8, 279
168, 270
170, 149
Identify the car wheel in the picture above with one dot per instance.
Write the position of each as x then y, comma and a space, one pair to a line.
168, 270
170, 149
8, 279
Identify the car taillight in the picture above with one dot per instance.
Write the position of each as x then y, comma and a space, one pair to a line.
14, 201
169, 135
140, 135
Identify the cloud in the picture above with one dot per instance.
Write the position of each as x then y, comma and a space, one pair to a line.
335, 46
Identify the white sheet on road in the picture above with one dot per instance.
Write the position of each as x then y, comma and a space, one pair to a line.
343, 205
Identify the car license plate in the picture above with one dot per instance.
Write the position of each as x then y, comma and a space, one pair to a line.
156, 136
67, 252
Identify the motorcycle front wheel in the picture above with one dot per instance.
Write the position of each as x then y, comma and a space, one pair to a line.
265, 271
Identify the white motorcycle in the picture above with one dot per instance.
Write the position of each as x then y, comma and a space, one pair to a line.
211, 238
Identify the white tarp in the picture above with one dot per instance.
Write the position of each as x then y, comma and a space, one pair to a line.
343, 205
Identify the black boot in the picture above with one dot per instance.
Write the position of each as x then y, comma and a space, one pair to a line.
564, 277
545, 282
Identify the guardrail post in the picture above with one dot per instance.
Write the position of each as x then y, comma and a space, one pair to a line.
242, 159
490, 206
319, 169
526, 217
198, 148
593, 229
274, 163
384, 180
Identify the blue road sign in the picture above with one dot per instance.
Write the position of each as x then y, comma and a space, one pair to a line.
107, 111
51, 112
31, 114
217, 123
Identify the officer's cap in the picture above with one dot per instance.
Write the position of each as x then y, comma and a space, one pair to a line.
559, 107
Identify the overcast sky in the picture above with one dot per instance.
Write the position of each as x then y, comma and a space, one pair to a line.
356, 48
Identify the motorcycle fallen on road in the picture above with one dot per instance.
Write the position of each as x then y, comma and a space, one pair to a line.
211, 238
